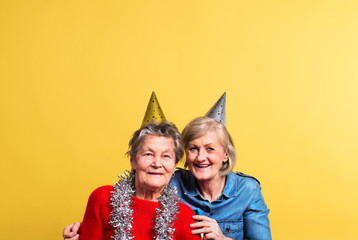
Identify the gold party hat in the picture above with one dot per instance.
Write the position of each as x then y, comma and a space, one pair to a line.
154, 113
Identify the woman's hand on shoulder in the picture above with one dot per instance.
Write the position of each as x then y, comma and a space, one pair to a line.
71, 231
207, 226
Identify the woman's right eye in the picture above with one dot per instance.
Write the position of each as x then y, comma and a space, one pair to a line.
192, 149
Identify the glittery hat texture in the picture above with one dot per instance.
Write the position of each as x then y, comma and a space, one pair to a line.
154, 113
218, 111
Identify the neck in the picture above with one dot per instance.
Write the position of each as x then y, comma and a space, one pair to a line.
211, 189
147, 194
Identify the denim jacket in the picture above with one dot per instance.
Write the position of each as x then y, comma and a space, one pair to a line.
240, 210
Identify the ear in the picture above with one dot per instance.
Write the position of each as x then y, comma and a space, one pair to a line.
133, 164
226, 158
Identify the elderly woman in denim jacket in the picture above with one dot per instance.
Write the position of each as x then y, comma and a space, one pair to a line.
232, 204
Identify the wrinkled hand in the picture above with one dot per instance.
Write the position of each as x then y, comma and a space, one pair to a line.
71, 232
208, 226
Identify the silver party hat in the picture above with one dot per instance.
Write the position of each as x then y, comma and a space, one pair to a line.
218, 111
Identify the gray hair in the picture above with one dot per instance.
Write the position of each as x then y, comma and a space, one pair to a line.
164, 129
201, 125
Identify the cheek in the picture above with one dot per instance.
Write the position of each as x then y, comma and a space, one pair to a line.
190, 157
221, 157
170, 167
140, 164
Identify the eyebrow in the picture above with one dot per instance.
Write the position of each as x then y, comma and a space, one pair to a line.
208, 144
164, 151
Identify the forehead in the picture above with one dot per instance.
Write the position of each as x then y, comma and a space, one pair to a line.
157, 143
213, 136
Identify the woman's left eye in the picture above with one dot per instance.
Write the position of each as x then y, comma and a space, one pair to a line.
210, 149
166, 156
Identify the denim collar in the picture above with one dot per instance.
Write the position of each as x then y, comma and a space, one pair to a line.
192, 188
230, 189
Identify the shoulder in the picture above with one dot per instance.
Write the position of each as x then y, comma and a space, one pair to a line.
181, 172
185, 209
247, 178
183, 221
238, 182
185, 214
101, 193
182, 175
183, 180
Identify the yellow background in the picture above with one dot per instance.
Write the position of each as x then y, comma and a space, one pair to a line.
76, 77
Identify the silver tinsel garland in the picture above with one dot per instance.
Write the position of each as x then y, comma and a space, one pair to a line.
122, 212
121, 216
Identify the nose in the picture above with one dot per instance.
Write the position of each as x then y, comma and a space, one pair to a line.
201, 155
157, 163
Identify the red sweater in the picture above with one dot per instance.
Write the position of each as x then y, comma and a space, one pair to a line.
95, 225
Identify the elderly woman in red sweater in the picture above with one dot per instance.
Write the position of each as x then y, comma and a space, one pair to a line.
142, 204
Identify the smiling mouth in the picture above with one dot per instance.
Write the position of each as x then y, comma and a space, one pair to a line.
155, 174
202, 165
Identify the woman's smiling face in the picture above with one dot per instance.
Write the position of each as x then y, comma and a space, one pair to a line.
205, 156
154, 163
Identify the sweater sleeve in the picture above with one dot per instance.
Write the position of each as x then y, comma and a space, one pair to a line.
185, 219
92, 224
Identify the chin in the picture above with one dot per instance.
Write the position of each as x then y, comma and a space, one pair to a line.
203, 175
200, 176
154, 184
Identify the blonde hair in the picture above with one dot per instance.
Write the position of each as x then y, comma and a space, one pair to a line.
201, 125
